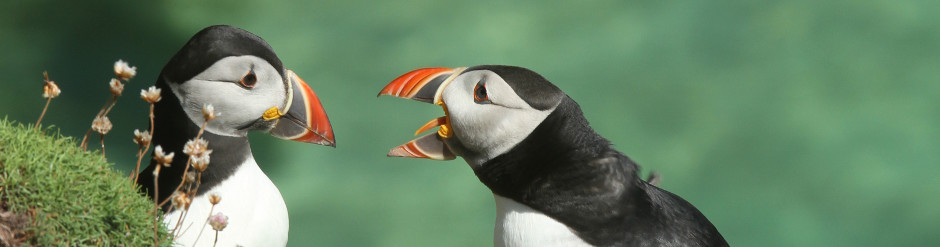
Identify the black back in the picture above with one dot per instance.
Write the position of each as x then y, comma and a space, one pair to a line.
567, 171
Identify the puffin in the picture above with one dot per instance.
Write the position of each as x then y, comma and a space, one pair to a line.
240, 76
556, 182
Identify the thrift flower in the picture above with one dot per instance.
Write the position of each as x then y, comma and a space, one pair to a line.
218, 221
161, 158
50, 90
208, 112
196, 147
123, 70
190, 178
181, 200
151, 95
101, 124
142, 138
214, 198
201, 163
116, 87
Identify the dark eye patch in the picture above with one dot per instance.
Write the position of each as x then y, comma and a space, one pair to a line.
480, 95
249, 80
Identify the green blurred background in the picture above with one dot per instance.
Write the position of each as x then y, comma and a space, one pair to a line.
788, 123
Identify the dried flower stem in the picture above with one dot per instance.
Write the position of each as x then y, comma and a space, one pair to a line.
198, 182
179, 223
182, 217
44, 108
177, 230
188, 164
143, 150
49, 91
201, 229
191, 192
156, 190
101, 113
140, 155
113, 102
84, 144
216, 238
124, 72
102, 146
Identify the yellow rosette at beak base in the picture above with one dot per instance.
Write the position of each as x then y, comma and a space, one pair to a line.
272, 114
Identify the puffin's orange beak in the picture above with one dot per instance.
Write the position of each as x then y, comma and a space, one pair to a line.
425, 85
304, 119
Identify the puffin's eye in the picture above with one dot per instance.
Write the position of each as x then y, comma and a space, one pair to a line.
479, 93
249, 80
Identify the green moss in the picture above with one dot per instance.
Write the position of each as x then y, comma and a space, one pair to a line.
75, 197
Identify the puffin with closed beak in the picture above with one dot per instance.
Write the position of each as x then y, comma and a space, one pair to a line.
555, 181
239, 74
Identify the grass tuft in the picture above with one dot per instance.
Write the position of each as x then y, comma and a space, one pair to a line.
71, 197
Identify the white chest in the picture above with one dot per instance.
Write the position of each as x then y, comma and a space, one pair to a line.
257, 215
519, 225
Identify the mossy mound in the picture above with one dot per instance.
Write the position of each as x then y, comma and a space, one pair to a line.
68, 196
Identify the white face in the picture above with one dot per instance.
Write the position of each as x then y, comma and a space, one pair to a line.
488, 128
240, 104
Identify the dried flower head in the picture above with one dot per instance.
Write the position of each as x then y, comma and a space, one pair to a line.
198, 151
116, 87
151, 95
50, 90
214, 198
208, 112
190, 178
101, 124
218, 221
181, 200
201, 162
142, 138
196, 147
123, 70
161, 158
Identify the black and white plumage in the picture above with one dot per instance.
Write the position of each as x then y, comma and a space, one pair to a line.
241, 77
556, 181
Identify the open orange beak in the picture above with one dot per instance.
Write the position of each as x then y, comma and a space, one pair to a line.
425, 85
303, 118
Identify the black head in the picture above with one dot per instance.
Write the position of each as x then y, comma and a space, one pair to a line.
534, 89
213, 43
239, 74
489, 109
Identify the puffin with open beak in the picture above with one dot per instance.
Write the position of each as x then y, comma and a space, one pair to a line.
238, 74
555, 181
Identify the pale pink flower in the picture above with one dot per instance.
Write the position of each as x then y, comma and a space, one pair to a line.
218, 221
